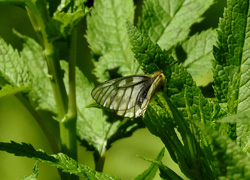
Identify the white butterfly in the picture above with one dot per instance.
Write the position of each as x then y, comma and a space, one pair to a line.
129, 95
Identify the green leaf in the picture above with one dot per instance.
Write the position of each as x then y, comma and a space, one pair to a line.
199, 53
34, 175
60, 160
29, 69
162, 117
108, 40
9, 71
151, 171
231, 52
165, 172
231, 65
34, 59
8, 90
62, 24
169, 22
228, 158
26, 150
187, 97
242, 117
148, 54
66, 6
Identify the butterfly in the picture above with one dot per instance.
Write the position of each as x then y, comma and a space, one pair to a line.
129, 96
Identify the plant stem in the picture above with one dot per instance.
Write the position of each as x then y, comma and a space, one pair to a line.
99, 164
67, 117
68, 125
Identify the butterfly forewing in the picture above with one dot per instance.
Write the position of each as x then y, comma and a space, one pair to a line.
129, 95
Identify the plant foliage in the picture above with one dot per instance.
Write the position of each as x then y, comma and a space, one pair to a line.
207, 138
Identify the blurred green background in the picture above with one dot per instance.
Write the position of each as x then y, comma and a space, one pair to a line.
18, 125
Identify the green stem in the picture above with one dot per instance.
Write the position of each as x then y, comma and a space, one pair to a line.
67, 117
99, 164
68, 125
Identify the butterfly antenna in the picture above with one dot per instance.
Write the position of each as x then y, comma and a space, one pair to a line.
173, 63
157, 67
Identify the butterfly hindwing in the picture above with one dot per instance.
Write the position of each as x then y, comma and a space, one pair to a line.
129, 95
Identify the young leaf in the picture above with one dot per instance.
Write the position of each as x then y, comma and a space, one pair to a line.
59, 160
169, 22
62, 24
199, 53
108, 40
151, 171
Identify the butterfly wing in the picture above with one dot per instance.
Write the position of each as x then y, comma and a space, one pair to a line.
129, 95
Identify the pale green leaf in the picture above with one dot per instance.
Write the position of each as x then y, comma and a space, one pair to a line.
108, 39
34, 59
28, 69
169, 22
9, 71
242, 117
199, 53
62, 24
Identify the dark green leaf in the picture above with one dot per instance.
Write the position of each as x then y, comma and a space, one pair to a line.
148, 54
59, 160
